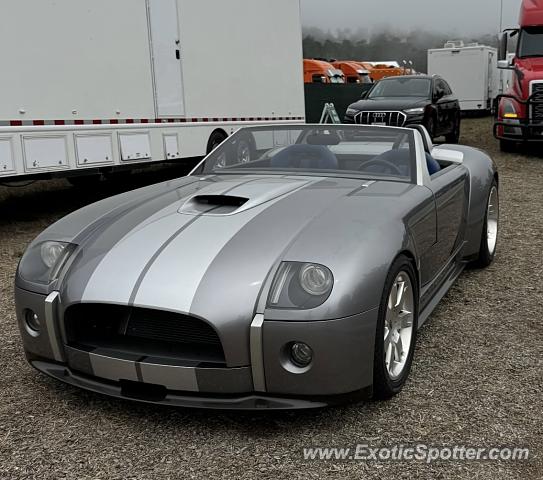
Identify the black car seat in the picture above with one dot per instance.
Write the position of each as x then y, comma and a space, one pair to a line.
316, 157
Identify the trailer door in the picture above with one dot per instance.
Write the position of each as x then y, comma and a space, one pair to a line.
166, 51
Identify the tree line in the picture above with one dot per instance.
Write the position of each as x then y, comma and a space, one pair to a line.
382, 45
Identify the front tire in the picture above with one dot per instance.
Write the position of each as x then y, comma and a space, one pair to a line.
508, 146
396, 332
489, 236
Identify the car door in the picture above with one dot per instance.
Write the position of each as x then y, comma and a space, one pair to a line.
450, 188
444, 104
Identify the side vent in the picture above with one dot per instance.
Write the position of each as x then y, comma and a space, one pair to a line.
213, 204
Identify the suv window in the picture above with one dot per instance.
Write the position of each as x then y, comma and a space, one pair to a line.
440, 84
446, 87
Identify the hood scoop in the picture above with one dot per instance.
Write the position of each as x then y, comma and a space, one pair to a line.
213, 205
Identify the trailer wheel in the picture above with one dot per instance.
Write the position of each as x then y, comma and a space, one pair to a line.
216, 138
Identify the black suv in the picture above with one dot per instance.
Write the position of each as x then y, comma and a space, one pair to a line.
418, 99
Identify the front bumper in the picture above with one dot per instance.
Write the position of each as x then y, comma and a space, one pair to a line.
342, 369
157, 394
522, 129
518, 130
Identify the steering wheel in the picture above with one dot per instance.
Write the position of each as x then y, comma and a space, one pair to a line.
394, 168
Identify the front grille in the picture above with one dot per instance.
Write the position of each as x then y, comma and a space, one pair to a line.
391, 119
537, 101
141, 331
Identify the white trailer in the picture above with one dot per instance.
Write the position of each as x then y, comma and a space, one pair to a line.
471, 70
90, 86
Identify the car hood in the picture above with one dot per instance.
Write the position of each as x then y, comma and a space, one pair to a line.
396, 103
158, 248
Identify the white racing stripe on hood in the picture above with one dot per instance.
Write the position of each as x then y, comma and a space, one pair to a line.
136, 270
117, 274
173, 279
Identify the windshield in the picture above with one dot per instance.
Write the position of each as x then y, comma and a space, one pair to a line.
402, 87
336, 76
322, 150
530, 42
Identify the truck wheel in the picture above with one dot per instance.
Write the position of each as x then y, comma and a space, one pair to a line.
489, 237
507, 146
454, 136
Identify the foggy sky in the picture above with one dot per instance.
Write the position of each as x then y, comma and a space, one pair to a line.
454, 16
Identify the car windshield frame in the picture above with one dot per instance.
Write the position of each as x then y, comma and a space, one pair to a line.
535, 48
366, 134
399, 80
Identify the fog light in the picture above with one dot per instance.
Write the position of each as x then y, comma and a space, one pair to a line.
32, 323
301, 354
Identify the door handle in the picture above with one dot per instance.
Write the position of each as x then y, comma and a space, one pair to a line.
178, 54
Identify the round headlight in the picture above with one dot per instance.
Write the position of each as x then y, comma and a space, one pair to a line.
50, 252
301, 354
316, 279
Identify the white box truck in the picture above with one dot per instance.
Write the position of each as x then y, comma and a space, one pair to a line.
90, 86
471, 70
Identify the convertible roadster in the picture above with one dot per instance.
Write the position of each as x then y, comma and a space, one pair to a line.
291, 269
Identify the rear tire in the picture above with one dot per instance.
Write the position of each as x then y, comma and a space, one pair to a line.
430, 125
489, 236
454, 136
396, 326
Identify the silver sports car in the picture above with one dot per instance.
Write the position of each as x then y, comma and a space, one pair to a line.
291, 269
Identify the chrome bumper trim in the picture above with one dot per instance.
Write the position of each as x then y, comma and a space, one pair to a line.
257, 354
51, 304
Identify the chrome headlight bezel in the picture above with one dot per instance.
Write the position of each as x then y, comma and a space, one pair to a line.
292, 287
415, 111
43, 261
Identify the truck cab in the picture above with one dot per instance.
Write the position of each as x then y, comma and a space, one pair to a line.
320, 71
379, 70
520, 108
354, 73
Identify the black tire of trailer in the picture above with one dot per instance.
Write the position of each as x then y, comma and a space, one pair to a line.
216, 138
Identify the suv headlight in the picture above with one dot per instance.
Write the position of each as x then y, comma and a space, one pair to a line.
42, 262
351, 112
300, 286
415, 110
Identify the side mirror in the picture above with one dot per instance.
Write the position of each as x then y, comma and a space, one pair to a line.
448, 156
502, 51
504, 65
440, 93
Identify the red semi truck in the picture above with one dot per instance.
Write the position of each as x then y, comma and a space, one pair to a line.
520, 108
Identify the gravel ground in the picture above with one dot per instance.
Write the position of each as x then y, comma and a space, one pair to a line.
476, 380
